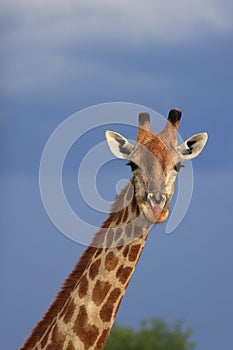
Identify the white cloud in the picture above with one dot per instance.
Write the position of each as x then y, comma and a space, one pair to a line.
45, 40
135, 21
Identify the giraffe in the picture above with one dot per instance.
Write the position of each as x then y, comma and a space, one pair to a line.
83, 312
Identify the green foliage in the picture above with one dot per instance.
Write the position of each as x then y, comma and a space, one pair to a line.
153, 334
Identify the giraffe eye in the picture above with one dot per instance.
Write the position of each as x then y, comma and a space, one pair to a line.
178, 166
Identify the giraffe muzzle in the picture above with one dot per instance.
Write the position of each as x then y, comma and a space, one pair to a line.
154, 207
154, 199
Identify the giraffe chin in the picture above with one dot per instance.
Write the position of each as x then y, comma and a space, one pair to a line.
155, 214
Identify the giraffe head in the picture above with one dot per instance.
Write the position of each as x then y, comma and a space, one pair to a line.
155, 160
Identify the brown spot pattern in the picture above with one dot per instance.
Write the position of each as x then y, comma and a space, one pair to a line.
117, 308
133, 254
125, 251
137, 211
128, 230
137, 232
86, 332
118, 233
57, 340
107, 309
123, 273
102, 340
98, 252
99, 292
94, 269
69, 311
83, 287
125, 216
51, 347
119, 217
70, 346
59, 303
111, 261
110, 236
120, 244
45, 338
133, 205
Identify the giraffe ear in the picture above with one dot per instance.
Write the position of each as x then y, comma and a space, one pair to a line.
118, 145
193, 146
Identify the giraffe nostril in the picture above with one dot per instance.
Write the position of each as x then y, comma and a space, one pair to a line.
156, 198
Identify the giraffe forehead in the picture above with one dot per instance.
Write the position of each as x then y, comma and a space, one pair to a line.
154, 152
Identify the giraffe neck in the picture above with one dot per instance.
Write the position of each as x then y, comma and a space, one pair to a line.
84, 310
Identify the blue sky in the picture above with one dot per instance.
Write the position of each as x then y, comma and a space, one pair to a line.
59, 57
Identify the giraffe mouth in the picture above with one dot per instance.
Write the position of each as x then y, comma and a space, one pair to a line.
154, 207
